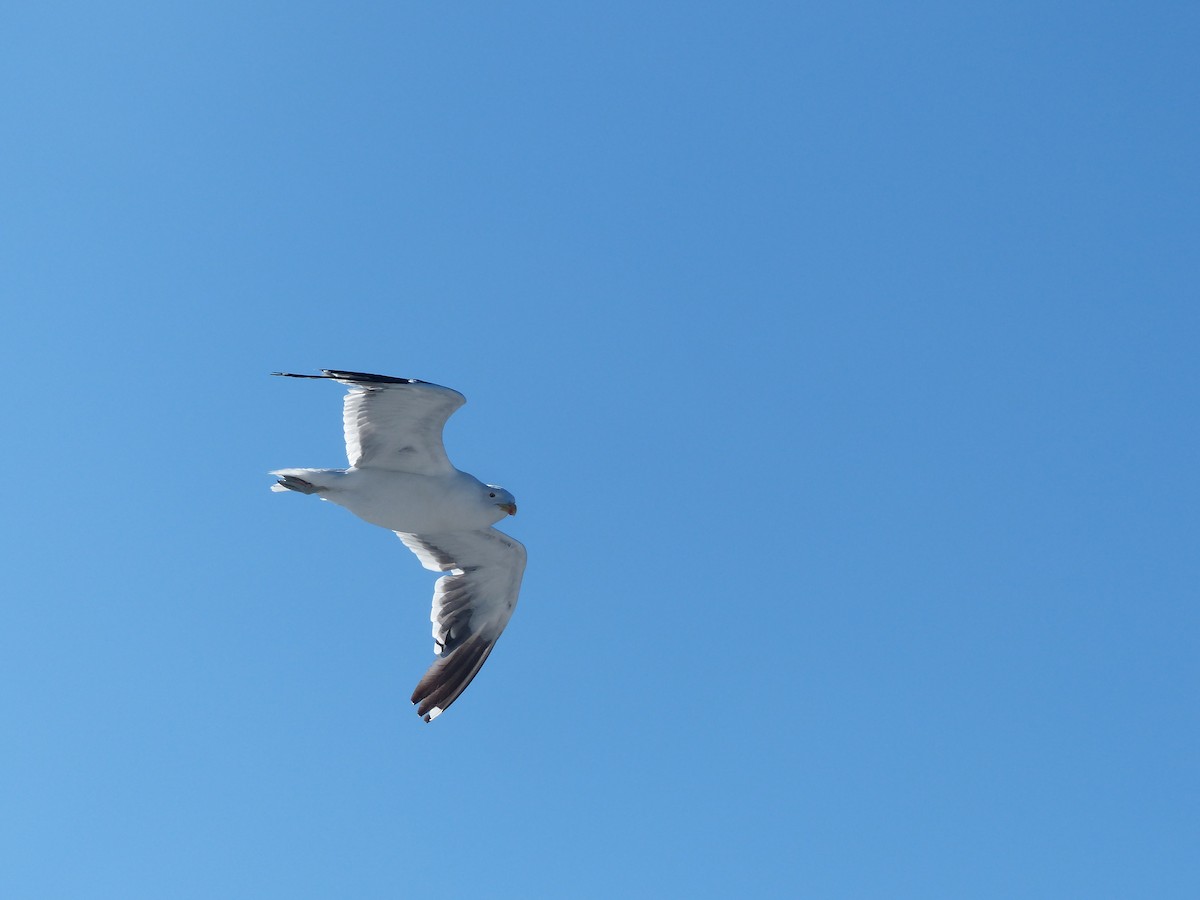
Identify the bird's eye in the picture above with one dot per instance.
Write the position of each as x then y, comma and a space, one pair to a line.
492, 494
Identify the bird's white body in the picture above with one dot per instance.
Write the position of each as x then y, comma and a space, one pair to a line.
405, 501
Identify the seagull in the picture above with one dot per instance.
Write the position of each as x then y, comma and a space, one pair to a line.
401, 479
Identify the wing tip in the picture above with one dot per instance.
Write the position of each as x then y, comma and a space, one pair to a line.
370, 378
448, 677
356, 377
366, 379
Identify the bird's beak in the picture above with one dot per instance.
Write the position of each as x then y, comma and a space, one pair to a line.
510, 508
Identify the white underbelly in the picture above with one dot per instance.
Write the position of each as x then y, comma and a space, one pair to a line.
415, 504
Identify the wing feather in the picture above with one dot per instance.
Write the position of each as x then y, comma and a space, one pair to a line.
472, 604
394, 423
397, 425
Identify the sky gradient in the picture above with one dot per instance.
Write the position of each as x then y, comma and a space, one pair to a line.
842, 360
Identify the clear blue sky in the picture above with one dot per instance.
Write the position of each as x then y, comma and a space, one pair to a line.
842, 358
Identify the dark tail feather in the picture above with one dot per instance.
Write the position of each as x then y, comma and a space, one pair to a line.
292, 483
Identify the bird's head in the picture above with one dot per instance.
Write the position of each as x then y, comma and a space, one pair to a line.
502, 499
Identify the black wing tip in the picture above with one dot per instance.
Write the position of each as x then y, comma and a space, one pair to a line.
369, 378
449, 677
346, 376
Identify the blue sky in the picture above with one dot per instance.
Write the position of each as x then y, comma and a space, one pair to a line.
843, 361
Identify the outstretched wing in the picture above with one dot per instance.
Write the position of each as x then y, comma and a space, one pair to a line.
471, 606
394, 423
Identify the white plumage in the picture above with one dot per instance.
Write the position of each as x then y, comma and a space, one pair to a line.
401, 479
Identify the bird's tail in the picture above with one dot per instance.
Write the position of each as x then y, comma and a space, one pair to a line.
305, 481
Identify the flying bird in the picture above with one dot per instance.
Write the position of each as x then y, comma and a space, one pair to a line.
401, 479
